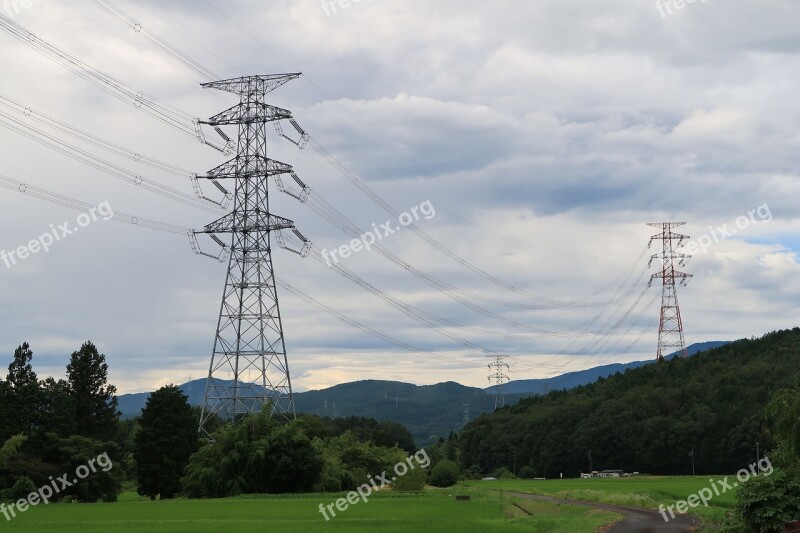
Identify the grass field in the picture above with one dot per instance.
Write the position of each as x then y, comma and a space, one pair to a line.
434, 511
642, 491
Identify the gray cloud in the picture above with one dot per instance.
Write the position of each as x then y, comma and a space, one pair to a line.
546, 134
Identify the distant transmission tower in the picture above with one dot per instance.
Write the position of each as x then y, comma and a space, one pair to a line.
670, 330
497, 367
249, 367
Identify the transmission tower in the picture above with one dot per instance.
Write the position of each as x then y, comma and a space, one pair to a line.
497, 367
249, 368
670, 330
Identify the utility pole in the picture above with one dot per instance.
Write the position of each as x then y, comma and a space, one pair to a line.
249, 346
670, 329
691, 454
498, 367
591, 467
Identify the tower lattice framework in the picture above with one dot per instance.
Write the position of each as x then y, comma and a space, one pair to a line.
249, 366
499, 369
670, 329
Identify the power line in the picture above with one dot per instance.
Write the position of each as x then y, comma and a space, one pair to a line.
82, 156
71, 203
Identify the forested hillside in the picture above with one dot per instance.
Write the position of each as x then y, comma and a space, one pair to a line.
648, 419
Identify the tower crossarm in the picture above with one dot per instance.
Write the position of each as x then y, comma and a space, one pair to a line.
667, 234
243, 113
671, 277
253, 167
259, 85
252, 222
669, 258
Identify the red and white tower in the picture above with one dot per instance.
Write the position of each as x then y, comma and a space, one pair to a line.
670, 329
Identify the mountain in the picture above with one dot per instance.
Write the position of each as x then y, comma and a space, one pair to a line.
428, 411
648, 419
584, 377
131, 405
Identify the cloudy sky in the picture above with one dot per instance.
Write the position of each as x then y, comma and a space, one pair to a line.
545, 135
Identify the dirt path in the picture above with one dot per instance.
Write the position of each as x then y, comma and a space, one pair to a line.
636, 520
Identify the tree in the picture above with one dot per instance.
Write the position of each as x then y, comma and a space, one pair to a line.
99, 460
284, 462
785, 411
57, 409
768, 503
95, 403
390, 434
166, 440
444, 474
6, 410
11, 448
22, 392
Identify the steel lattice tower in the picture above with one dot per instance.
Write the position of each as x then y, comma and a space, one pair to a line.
496, 367
670, 329
249, 366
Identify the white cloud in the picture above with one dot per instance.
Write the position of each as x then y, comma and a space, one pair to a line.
546, 134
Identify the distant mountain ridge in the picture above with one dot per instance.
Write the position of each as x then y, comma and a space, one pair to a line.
571, 380
428, 411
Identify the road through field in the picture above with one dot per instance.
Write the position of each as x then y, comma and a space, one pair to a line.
636, 520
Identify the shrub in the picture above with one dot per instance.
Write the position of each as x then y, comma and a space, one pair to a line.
473, 472
412, 481
767, 503
444, 474
21, 489
503, 473
527, 472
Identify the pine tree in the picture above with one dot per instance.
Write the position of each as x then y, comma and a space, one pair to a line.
22, 393
166, 440
57, 409
94, 400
